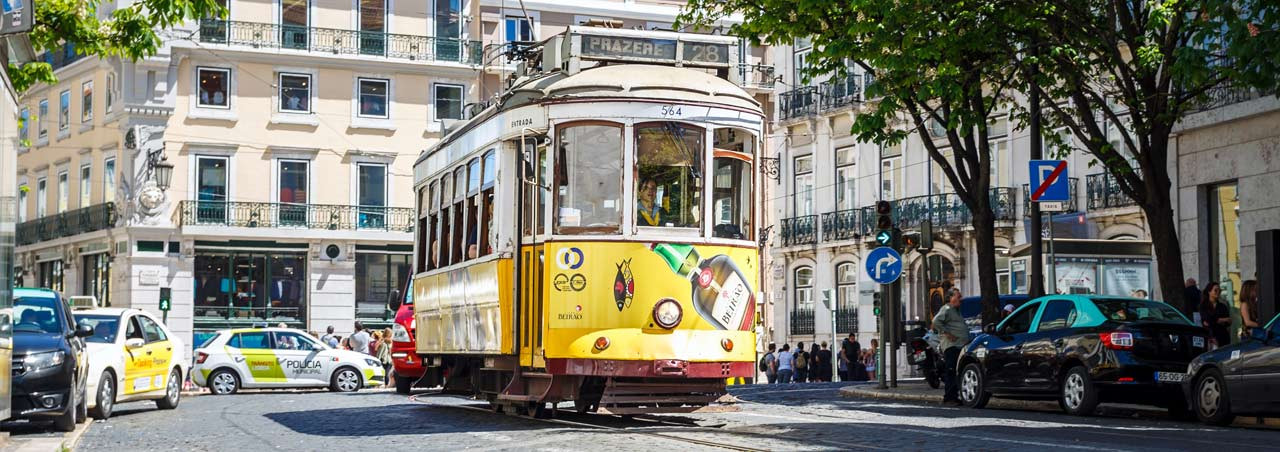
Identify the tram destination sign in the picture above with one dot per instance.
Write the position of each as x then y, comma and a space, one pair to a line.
653, 49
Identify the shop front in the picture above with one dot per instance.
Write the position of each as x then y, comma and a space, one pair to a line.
1083, 266
249, 287
95, 273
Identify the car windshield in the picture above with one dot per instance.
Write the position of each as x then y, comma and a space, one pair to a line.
105, 327
1125, 311
36, 315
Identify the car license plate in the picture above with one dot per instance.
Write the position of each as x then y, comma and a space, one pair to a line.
919, 357
1197, 341
1170, 377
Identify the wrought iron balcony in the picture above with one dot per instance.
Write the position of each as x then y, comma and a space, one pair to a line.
1227, 94
801, 230
1105, 193
799, 102
86, 219
302, 216
842, 225
846, 320
945, 211
802, 321
756, 76
840, 92
1073, 205
340, 42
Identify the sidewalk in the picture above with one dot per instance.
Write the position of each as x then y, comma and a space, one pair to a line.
921, 392
30, 438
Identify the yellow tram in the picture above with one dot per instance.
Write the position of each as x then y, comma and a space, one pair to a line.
590, 236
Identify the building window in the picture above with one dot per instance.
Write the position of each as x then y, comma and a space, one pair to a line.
214, 88
249, 286
448, 101
109, 180
589, 179
295, 93
802, 315
846, 298
891, 171
939, 183
63, 195
517, 29
211, 189
64, 110
377, 276
293, 192
804, 185
803, 47
373, 97
86, 101
97, 277
44, 113
85, 188
24, 124
668, 156
373, 27
22, 205
448, 30
372, 195
998, 132
293, 24
111, 92
846, 178
42, 197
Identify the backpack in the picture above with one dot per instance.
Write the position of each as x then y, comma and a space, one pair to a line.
800, 361
764, 362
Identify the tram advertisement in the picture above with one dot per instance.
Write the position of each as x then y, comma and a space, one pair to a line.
617, 285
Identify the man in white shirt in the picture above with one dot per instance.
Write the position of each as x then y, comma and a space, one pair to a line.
359, 341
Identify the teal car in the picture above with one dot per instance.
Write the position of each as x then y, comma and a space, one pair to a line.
1083, 350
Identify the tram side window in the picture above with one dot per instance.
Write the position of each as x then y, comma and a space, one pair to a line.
669, 174
487, 183
459, 213
426, 231
589, 179
473, 209
443, 201
731, 190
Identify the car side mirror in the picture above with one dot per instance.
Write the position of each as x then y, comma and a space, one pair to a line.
83, 330
1259, 334
990, 328
394, 302
133, 343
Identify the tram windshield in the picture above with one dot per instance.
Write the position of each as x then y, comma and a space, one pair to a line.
668, 174
589, 175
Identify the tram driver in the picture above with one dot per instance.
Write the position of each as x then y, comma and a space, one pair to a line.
649, 211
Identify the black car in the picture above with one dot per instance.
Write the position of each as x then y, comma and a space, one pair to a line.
1083, 350
971, 309
1240, 379
49, 364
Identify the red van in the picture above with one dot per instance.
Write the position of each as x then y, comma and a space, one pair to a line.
404, 356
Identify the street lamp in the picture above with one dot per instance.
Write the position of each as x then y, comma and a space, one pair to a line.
161, 168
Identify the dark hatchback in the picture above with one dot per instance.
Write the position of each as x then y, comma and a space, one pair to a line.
49, 363
971, 309
1084, 350
1239, 379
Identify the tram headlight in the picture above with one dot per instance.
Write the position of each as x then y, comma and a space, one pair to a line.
667, 313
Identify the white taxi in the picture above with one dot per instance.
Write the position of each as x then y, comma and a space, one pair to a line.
132, 356
279, 358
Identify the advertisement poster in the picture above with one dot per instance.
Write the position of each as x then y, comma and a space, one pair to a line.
1076, 275
1124, 277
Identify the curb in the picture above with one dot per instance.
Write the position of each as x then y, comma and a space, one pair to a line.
68, 441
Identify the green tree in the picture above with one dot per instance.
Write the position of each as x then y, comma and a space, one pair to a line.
936, 63
1140, 66
131, 32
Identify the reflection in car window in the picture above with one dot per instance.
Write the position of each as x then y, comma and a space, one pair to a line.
669, 169
1020, 322
36, 315
1057, 314
105, 327
134, 331
293, 341
151, 329
250, 340
1124, 311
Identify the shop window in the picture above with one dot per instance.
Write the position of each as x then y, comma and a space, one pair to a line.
731, 190
97, 277
589, 179
51, 276
668, 175
247, 287
377, 276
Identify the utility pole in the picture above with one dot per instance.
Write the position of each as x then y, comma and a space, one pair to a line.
1036, 277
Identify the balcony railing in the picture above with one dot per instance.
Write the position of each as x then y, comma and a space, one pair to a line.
302, 216
1227, 94
842, 225
847, 320
799, 102
1073, 205
801, 230
340, 42
756, 76
840, 92
948, 211
802, 321
1105, 193
86, 219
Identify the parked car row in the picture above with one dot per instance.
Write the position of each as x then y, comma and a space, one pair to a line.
1083, 350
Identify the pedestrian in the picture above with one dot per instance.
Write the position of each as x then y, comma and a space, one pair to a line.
1248, 309
801, 358
1215, 315
850, 352
329, 338
384, 354
359, 340
786, 364
815, 366
870, 358
769, 364
1191, 299
374, 339
1008, 310
955, 334
824, 362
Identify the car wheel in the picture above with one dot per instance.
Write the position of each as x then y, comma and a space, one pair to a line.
973, 391
223, 382
1079, 396
404, 385
172, 392
1210, 399
345, 379
106, 396
66, 422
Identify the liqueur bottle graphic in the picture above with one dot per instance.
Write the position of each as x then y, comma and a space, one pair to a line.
720, 292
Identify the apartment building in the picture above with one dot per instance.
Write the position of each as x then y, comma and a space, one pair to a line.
828, 183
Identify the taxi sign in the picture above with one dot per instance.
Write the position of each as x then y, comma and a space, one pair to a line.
83, 301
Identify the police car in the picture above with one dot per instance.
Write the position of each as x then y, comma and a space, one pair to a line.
132, 356
279, 358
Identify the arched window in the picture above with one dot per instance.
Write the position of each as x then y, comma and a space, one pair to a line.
846, 298
802, 315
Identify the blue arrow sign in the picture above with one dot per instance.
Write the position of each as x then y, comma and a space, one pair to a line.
1049, 181
884, 265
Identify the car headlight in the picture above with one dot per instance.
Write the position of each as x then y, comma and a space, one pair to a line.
39, 361
373, 363
667, 313
399, 334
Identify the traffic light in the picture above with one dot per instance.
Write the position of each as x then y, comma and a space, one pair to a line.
884, 223
876, 303
910, 241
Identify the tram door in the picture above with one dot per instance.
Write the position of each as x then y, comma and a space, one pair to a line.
534, 195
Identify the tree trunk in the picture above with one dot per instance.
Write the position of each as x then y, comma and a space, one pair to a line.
1164, 241
984, 227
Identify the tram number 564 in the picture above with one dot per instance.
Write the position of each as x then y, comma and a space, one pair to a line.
671, 110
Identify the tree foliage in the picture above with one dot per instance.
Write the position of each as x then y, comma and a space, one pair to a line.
131, 32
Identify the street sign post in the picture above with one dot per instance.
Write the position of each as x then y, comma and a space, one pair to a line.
884, 265
1049, 181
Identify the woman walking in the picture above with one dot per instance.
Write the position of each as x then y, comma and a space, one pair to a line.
1215, 315
383, 353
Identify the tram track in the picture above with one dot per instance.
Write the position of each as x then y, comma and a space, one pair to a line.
418, 398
